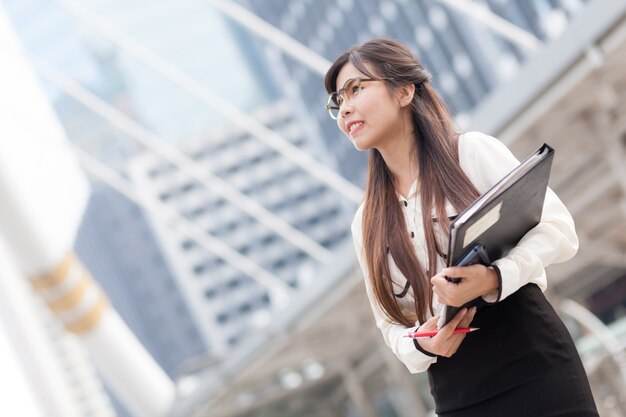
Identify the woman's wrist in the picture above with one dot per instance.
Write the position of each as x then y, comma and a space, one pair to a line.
491, 291
420, 348
492, 282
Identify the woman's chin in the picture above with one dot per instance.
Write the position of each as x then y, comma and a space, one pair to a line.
360, 142
361, 145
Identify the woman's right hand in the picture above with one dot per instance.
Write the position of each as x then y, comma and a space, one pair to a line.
446, 343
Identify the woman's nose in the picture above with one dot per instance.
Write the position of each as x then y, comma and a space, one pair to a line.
345, 109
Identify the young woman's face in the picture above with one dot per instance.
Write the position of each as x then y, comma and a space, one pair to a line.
372, 116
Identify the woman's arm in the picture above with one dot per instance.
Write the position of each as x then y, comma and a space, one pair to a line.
476, 281
393, 334
416, 355
486, 160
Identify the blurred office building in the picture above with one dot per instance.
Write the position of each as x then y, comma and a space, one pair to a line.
199, 308
79, 39
224, 300
116, 242
220, 299
64, 38
118, 246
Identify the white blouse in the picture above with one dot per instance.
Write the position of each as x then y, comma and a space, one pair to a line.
485, 160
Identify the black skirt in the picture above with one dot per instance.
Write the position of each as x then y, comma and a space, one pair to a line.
521, 363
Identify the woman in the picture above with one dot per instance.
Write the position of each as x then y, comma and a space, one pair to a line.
522, 361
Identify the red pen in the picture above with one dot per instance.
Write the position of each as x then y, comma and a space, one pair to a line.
417, 335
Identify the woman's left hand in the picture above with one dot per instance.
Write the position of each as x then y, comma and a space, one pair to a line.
476, 280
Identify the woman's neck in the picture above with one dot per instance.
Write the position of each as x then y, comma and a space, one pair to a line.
400, 159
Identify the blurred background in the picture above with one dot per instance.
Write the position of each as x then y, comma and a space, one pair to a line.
221, 193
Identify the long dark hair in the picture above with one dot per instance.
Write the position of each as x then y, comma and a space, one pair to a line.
441, 178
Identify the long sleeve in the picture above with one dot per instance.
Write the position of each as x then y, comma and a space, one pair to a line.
486, 160
393, 334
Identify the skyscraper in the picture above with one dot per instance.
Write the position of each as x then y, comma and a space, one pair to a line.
118, 246
223, 300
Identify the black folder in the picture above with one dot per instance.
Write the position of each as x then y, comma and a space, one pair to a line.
493, 224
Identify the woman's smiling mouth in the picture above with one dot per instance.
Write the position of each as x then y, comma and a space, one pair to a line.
354, 126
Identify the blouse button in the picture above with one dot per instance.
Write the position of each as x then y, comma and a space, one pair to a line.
412, 234
406, 203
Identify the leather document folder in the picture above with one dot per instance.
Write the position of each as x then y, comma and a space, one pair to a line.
493, 224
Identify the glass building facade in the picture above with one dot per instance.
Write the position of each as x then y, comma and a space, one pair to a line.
223, 299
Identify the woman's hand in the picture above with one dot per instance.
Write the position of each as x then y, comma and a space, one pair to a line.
476, 280
446, 343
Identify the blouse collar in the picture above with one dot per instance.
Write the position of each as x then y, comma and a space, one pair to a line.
412, 192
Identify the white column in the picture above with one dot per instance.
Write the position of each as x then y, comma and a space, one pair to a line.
43, 194
27, 354
18, 399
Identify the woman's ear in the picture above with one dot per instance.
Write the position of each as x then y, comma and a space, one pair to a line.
405, 94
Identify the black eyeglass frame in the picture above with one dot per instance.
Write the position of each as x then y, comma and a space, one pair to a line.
330, 107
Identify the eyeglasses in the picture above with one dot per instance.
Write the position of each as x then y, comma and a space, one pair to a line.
351, 88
